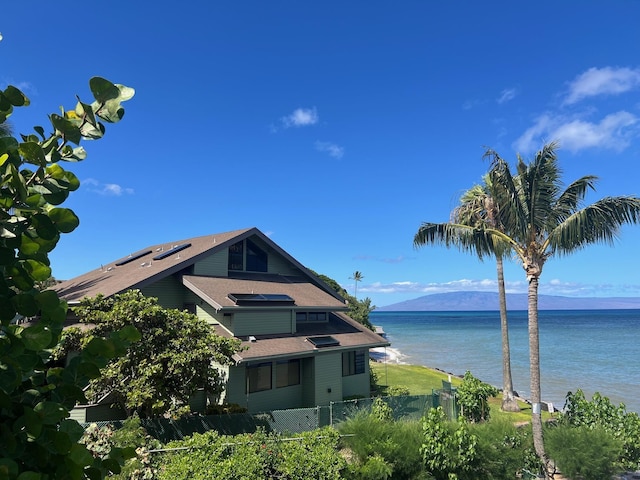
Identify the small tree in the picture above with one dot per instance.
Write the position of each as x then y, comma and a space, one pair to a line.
37, 439
177, 354
473, 396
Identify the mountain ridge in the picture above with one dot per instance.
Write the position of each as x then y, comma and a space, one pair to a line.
482, 301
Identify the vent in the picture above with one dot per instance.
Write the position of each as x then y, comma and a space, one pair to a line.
324, 341
132, 257
171, 251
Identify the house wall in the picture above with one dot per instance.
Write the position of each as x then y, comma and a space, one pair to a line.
328, 378
213, 265
308, 382
261, 323
357, 385
169, 292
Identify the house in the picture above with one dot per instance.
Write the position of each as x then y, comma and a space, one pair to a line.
302, 349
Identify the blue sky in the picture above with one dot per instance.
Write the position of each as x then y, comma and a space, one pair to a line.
334, 127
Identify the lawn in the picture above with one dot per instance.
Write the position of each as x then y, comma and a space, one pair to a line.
422, 381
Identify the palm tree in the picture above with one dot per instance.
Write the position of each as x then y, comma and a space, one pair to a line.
540, 219
478, 209
543, 219
357, 277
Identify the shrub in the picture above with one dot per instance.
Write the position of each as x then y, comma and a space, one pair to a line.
382, 448
584, 453
448, 448
601, 413
473, 397
254, 457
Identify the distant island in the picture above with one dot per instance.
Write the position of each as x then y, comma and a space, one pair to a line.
480, 301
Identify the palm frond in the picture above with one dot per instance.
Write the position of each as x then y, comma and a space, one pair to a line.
482, 242
599, 222
569, 201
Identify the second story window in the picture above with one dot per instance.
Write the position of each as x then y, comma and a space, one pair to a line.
246, 255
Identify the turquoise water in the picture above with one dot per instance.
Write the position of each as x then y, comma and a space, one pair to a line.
595, 350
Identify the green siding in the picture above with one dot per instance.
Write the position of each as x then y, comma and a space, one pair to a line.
169, 292
353, 385
328, 370
308, 384
215, 265
236, 386
262, 323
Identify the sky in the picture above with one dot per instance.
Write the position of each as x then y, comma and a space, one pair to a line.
334, 127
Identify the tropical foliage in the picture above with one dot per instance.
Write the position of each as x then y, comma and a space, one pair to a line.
174, 359
37, 439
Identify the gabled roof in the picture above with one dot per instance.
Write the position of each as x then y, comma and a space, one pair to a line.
151, 264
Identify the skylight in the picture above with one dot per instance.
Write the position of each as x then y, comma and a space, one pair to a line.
171, 251
261, 298
324, 341
132, 257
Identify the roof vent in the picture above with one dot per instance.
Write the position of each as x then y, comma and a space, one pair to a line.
252, 339
171, 251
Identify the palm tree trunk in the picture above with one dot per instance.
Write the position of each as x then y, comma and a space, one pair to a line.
534, 372
509, 403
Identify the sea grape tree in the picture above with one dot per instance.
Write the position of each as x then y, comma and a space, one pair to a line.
37, 439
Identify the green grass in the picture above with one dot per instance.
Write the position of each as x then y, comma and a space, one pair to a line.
422, 381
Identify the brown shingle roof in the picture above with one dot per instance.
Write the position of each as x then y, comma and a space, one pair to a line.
346, 331
215, 290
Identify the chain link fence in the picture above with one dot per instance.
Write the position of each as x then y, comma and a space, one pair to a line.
297, 420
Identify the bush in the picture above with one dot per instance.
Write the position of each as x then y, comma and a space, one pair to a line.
600, 413
382, 449
583, 453
473, 397
254, 457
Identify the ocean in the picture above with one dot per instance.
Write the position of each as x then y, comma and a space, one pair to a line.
594, 350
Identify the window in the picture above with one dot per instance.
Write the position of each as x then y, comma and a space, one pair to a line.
353, 363
236, 256
259, 377
256, 258
311, 317
287, 373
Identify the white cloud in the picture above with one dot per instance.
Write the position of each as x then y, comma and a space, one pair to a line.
332, 149
506, 95
551, 287
613, 132
301, 117
112, 189
602, 81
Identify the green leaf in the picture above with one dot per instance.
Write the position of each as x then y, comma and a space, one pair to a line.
80, 455
64, 219
30, 476
37, 270
68, 129
36, 337
103, 90
100, 347
51, 413
25, 304
47, 300
32, 152
45, 226
16, 97
8, 468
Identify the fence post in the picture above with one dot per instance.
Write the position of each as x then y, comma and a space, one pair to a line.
331, 414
